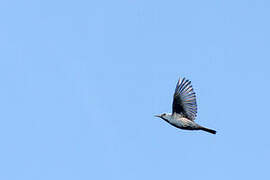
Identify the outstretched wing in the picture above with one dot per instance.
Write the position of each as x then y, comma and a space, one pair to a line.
184, 99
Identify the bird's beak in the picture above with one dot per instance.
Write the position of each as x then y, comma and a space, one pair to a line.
158, 116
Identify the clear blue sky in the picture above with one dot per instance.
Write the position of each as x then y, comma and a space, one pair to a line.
81, 82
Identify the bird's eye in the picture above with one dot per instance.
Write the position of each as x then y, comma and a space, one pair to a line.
163, 114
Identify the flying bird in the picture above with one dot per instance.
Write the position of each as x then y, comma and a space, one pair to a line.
184, 108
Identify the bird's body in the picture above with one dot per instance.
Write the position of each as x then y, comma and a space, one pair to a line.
179, 121
184, 108
182, 122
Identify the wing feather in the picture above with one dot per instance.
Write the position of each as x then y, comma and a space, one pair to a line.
184, 99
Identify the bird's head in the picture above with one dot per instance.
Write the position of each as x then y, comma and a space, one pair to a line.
164, 116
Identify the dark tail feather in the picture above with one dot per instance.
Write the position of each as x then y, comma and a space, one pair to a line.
208, 130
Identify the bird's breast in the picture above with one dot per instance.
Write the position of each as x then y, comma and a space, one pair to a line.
181, 122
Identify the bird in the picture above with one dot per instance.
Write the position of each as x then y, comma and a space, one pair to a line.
184, 108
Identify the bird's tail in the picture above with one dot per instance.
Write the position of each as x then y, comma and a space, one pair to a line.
207, 130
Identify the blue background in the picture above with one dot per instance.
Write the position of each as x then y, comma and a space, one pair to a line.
81, 82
